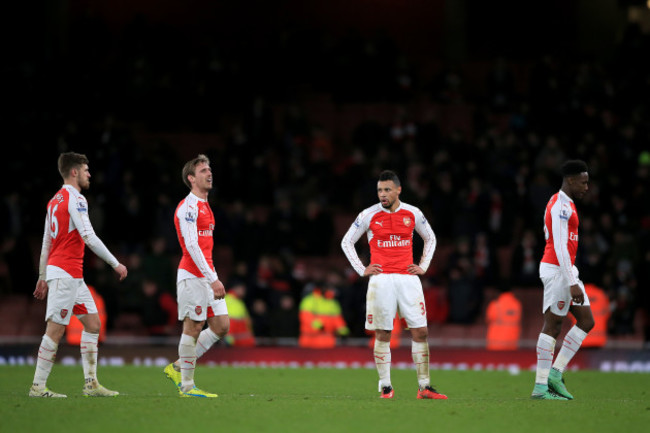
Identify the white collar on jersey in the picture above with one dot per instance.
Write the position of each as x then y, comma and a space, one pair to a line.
566, 195
71, 189
196, 196
387, 211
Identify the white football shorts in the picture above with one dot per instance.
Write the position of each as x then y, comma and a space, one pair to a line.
389, 294
557, 295
68, 296
196, 300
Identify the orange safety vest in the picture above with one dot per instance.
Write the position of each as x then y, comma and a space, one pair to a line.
504, 323
240, 332
74, 329
599, 302
317, 309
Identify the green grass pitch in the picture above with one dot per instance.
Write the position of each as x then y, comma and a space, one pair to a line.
322, 400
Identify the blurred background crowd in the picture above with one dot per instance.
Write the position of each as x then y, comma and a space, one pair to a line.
299, 118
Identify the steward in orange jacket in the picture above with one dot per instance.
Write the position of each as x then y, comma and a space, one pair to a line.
504, 322
321, 320
241, 328
599, 302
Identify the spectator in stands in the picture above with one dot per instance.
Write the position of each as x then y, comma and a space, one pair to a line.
315, 230
436, 300
485, 261
272, 280
525, 261
623, 285
260, 317
464, 292
159, 310
131, 293
465, 297
284, 319
157, 264
282, 224
500, 85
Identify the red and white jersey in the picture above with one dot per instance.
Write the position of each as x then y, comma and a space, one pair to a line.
67, 231
194, 223
390, 236
561, 232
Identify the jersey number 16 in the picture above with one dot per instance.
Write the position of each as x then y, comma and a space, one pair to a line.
54, 222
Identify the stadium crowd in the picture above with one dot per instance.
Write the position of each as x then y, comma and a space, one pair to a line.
285, 175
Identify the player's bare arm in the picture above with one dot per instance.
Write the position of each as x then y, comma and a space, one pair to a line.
415, 270
374, 269
576, 294
121, 271
218, 289
40, 292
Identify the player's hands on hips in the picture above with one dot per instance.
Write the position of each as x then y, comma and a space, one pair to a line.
41, 290
121, 271
374, 269
415, 270
218, 289
576, 294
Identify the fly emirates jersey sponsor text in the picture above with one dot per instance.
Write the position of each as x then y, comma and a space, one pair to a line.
390, 237
194, 223
561, 232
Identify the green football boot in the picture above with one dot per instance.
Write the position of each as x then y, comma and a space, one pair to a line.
541, 392
556, 384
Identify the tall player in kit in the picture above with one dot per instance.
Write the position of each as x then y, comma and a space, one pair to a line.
394, 285
200, 294
563, 290
67, 232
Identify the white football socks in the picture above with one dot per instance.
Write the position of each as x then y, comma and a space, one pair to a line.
187, 358
206, 339
88, 348
545, 350
572, 341
420, 353
382, 361
45, 361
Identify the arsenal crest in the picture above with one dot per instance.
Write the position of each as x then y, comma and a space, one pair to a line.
561, 304
407, 221
64, 312
198, 310
370, 318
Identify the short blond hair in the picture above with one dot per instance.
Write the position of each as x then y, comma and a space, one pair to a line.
190, 166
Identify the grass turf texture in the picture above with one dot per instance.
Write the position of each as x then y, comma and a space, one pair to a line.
322, 400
